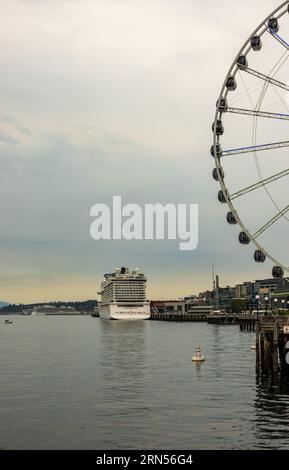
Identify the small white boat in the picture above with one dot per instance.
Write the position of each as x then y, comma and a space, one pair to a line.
253, 347
198, 357
8, 322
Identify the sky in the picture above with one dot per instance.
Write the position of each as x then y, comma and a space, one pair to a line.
113, 97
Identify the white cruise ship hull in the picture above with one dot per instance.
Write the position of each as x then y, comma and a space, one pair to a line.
119, 312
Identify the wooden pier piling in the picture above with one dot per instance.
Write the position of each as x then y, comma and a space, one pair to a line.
247, 322
272, 336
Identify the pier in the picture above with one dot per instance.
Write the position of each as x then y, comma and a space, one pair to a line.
221, 319
247, 322
180, 317
272, 343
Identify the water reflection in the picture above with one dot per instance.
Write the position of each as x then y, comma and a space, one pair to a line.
124, 342
272, 410
123, 385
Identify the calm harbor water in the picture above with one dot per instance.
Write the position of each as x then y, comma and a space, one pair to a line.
84, 383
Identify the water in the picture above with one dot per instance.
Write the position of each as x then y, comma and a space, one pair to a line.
84, 383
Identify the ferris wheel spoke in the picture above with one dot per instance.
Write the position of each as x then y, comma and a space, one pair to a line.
271, 222
266, 78
254, 148
259, 184
279, 39
252, 112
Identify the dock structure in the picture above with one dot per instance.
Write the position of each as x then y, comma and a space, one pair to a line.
247, 322
272, 343
222, 319
180, 317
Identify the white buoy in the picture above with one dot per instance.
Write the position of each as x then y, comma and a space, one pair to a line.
198, 357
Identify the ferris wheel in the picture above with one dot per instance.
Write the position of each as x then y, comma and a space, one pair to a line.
251, 142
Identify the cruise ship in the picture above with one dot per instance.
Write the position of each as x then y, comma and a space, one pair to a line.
123, 296
51, 310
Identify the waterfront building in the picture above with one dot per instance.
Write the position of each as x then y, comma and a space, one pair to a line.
199, 309
168, 306
225, 296
244, 291
267, 286
282, 295
206, 296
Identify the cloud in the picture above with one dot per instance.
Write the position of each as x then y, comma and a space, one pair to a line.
11, 133
118, 97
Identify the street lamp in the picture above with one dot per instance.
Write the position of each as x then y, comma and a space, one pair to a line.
257, 297
275, 301
266, 304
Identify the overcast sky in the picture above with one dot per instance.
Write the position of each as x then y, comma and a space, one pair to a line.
113, 97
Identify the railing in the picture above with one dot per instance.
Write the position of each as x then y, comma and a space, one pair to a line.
267, 324
280, 320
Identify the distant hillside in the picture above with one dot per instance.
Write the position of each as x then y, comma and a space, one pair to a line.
3, 304
86, 305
